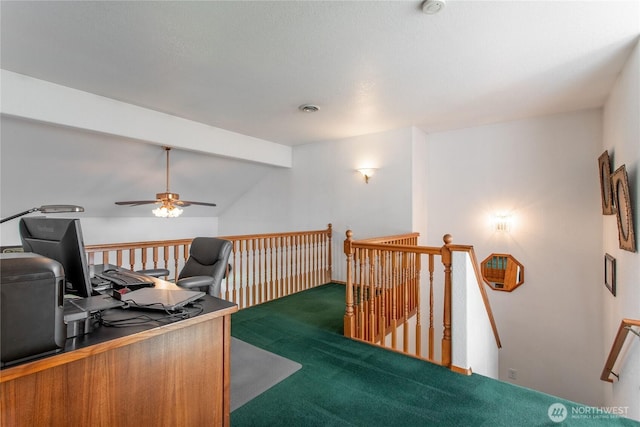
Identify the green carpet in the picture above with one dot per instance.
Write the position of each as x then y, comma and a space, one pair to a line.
347, 383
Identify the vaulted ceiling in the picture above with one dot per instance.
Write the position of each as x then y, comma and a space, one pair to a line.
370, 66
246, 67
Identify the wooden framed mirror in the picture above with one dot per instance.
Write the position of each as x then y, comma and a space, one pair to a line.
604, 167
622, 199
502, 272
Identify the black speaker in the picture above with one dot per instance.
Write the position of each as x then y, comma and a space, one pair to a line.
31, 307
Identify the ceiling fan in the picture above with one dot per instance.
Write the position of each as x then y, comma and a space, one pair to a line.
169, 202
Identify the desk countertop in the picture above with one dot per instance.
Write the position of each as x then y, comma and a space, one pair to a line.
103, 338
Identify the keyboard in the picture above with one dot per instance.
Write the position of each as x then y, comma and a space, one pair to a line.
122, 279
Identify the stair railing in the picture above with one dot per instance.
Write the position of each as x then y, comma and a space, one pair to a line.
383, 291
263, 267
626, 326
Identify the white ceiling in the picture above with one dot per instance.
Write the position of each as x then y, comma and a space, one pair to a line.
370, 66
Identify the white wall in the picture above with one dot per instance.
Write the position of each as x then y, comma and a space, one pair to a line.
117, 230
420, 178
323, 187
622, 140
544, 171
44, 164
473, 342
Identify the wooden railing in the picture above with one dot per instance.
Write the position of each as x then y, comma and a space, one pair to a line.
263, 267
624, 329
483, 291
383, 291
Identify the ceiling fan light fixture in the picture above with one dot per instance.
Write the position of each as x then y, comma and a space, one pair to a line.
431, 7
167, 211
168, 201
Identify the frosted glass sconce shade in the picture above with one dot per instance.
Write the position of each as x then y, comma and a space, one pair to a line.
367, 173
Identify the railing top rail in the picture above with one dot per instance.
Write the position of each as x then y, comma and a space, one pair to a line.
432, 250
135, 245
162, 243
389, 238
616, 347
483, 291
285, 234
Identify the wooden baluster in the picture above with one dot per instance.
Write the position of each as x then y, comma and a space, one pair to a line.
278, 265
119, 258
309, 261
250, 291
405, 290
383, 306
313, 260
372, 297
234, 271
269, 271
257, 286
361, 290
286, 265
264, 248
418, 261
144, 258
309, 268
394, 300
318, 278
305, 261
294, 264
155, 257
446, 336
329, 272
431, 328
323, 259
349, 324
289, 248
262, 269
296, 249
132, 259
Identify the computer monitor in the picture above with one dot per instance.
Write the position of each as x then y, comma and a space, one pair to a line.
59, 239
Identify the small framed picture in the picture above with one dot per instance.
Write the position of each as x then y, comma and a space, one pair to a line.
610, 273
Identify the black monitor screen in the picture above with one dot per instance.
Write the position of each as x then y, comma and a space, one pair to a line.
59, 239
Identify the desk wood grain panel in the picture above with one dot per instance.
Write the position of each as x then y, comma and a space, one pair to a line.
177, 378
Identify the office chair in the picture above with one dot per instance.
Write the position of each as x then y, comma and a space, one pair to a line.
205, 268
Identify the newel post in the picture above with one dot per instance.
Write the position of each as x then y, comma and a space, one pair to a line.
349, 324
446, 335
329, 257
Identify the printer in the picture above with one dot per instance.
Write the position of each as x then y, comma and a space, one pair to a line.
31, 307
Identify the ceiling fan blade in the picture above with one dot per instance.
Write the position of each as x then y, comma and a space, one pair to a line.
198, 203
136, 202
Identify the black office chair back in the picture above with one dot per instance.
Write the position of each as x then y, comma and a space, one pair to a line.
208, 256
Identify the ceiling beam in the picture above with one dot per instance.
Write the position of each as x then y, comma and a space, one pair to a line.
34, 99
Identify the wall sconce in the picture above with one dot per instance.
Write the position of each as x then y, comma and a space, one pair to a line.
367, 173
502, 222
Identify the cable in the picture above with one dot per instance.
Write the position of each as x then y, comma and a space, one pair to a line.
144, 319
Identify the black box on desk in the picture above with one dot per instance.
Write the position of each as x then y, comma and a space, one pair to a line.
31, 307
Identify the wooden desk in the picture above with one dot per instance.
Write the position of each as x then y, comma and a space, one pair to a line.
176, 374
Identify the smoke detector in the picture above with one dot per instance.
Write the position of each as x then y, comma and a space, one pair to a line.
431, 7
308, 108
